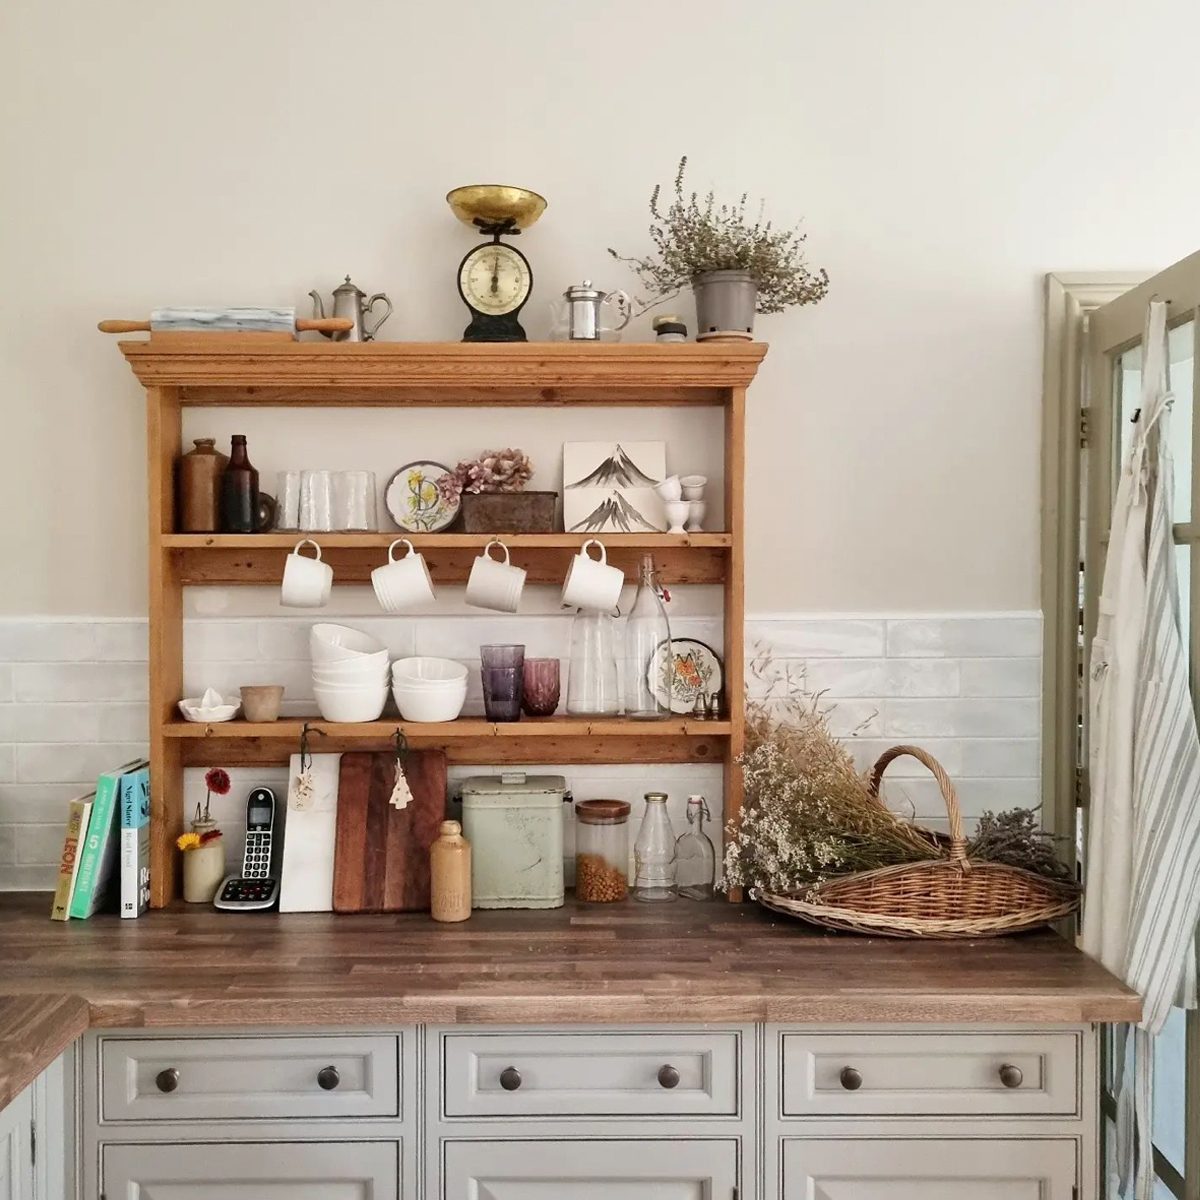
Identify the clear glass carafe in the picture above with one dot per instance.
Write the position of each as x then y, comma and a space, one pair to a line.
647, 664
654, 852
695, 855
592, 672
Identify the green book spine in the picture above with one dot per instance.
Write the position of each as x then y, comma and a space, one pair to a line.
95, 861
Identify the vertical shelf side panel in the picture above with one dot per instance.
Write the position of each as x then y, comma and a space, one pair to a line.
735, 604
165, 609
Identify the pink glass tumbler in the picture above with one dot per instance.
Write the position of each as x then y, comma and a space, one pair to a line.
541, 690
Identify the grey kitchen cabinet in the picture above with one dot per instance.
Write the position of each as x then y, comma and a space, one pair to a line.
251, 1171
595, 1168
16, 1148
928, 1169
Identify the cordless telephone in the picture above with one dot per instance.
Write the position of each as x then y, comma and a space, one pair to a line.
255, 887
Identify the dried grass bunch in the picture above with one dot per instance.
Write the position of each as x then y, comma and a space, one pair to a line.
692, 236
809, 815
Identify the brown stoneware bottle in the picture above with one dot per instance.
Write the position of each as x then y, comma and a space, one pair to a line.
199, 479
450, 874
239, 491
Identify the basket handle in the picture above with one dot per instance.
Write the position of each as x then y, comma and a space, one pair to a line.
958, 839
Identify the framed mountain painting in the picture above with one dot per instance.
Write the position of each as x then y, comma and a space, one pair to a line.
608, 487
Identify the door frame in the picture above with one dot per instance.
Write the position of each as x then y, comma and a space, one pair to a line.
1069, 298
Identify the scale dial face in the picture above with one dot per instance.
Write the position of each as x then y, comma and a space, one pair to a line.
494, 279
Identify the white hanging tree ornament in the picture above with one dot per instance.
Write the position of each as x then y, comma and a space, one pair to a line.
303, 790
401, 795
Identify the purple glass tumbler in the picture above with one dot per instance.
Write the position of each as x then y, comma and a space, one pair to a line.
502, 671
541, 687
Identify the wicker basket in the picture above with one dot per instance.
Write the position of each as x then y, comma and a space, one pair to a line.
952, 897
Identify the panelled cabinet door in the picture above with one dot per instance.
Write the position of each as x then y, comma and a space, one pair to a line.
928, 1169
252, 1171
16, 1132
600, 1169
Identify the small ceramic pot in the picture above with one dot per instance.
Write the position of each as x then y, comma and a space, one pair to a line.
261, 702
695, 522
203, 867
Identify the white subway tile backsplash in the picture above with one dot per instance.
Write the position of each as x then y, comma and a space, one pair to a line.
963, 637
963, 687
962, 718
90, 681
1002, 677
122, 641
831, 637
47, 641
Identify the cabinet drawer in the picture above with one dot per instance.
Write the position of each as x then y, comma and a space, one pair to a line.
925, 1169
265, 1078
253, 1171
1019, 1074
658, 1169
590, 1074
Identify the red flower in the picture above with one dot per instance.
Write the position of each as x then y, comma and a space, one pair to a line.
217, 781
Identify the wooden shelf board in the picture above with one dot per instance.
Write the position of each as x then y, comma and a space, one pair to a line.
204, 559
223, 369
557, 740
447, 541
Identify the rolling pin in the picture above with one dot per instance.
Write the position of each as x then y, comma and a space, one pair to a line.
228, 320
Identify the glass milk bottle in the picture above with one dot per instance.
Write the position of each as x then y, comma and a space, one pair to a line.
654, 852
642, 664
695, 855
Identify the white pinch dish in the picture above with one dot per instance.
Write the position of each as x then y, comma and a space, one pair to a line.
209, 709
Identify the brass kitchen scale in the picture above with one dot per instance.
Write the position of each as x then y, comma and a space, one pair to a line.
495, 279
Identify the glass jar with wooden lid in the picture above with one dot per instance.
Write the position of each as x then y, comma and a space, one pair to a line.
601, 851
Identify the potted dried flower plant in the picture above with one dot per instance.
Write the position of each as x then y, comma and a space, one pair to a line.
735, 264
492, 491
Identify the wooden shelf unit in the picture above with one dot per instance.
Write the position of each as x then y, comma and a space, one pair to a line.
179, 370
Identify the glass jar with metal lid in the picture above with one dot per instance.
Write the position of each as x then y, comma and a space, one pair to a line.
601, 851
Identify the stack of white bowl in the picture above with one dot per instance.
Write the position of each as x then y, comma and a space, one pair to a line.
429, 689
350, 673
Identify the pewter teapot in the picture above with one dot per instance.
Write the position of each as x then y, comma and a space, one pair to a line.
351, 301
583, 311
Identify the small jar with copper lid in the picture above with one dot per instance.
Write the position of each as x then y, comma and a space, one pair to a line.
601, 851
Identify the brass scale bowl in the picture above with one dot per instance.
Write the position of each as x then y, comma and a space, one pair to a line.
491, 207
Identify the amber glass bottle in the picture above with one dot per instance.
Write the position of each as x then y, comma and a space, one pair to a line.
239, 491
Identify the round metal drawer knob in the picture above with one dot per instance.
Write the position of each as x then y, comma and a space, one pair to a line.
850, 1079
328, 1078
668, 1077
168, 1080
1011, 1077
510, 1079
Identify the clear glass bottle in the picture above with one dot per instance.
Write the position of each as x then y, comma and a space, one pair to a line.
646, 630
695, 855
592, 672
654, 852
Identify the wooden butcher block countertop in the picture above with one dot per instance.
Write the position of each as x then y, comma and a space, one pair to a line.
189, 967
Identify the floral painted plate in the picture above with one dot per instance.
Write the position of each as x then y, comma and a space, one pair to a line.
418, 500
697, 673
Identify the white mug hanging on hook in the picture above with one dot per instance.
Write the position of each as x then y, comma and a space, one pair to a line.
402, 582
495, 583
591, 583
307, 582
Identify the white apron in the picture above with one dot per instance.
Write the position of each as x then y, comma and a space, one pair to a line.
1143, 889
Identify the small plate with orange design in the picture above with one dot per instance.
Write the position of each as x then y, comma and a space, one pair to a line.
697, 672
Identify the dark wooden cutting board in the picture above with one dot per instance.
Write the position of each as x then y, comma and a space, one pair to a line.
381, 855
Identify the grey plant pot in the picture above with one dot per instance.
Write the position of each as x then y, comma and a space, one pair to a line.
725, 302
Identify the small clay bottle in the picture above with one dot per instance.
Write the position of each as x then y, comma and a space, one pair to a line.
200, 472
450, 874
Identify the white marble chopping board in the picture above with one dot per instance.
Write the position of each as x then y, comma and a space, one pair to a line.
306, 876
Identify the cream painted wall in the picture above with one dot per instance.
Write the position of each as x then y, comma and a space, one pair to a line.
945, 154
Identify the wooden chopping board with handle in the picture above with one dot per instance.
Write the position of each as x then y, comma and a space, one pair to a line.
381, 855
